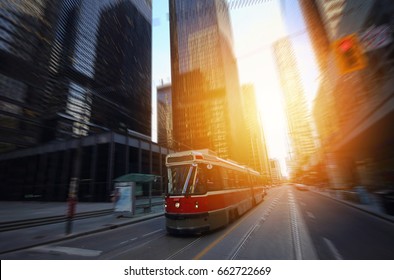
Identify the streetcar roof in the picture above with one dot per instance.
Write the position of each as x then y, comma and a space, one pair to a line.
200, 156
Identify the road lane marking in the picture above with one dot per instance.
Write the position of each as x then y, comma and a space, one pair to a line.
126, 249
333, 249
295, 231
234, 226
69, 251
215, 242
130, 240
310, 215
150, 233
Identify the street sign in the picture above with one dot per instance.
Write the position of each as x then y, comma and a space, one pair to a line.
349, 54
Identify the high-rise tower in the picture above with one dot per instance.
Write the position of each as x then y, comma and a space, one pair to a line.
207, 108
254, 137
298, 119
75, 91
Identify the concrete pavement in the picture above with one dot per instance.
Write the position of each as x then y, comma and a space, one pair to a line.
30, 236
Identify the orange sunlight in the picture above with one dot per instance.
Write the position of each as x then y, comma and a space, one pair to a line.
253, 46
257, 28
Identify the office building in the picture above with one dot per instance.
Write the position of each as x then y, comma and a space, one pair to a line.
257, 155
302, 143
207, 108
164, 116
75, 82
358, 141
276, 172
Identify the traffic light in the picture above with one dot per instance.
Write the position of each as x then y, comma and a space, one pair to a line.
349, 55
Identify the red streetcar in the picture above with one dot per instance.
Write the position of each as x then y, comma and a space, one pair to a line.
206, 192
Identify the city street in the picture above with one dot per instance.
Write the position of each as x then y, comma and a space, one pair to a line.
212, 135
289, 224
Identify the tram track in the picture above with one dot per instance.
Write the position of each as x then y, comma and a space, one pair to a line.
183, 249
254, 228
27, 223
236, 251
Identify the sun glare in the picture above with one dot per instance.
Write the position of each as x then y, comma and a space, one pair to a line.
253, 37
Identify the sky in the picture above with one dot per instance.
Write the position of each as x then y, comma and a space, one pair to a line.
255, 29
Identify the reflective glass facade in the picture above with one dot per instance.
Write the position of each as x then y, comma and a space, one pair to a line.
207, 107
71, 68
27, 29
74, 69
298, 118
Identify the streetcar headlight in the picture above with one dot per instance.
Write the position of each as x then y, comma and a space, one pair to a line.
165, 205
177, 204
196, 205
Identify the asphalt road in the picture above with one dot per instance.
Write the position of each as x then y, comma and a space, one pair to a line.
288, 225
342, 232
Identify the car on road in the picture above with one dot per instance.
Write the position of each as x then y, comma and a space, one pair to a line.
301, 187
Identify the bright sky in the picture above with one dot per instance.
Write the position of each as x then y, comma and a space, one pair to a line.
255, 28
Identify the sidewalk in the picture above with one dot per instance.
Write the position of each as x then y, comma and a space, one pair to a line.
373, 207
43, 234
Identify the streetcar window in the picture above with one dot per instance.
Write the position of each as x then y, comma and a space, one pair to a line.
187, 180
231, 179
223, 173
208, 178
200, 184
244, 180
254, 182
241, 180
180, 178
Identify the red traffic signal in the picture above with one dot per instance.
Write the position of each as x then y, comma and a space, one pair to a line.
348, 53
346, 45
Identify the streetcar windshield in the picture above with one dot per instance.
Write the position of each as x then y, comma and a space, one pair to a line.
184, 180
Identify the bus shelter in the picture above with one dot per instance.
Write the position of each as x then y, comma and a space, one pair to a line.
125, 192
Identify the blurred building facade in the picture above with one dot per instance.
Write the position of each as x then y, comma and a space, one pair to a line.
164, 116
257, 153
302, 142
74, 76
358, 137
276, 172
207, 108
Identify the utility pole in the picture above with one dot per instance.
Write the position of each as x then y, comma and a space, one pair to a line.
73, 189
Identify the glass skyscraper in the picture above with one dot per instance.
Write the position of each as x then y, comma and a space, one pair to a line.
299, 122
74, 69
207, 109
